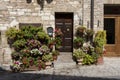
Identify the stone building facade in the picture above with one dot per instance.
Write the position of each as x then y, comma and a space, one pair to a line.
14, 12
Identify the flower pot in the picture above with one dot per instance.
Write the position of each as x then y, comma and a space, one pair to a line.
48, 64
54, 57
100, 60
79, 61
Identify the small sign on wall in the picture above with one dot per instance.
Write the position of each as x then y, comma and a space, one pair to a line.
50, 31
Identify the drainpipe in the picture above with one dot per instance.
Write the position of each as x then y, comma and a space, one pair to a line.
92, 15
82, 12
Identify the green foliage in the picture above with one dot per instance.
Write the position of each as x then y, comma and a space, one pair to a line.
30, 43
44, 49
43, 37
58, 42
47, 57
100, 38
51, 41
80, 31
11, 33
89, 32
25, 62
78, 54
15, 55
95, 56
33, 43
30, 31
88, 59
99, 42
25, 52
78, 42
55, 53
99, 51
40, 64
19, 44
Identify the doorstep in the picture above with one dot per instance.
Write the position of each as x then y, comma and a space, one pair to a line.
64, 60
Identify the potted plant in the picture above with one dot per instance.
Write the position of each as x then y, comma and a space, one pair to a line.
51, 43
89, 34
19, 44
55, 54
99, 43
15, 55
47, 58
40, 64
78, 54
35, 52
78, 42
44, 49
88, 59
80, 31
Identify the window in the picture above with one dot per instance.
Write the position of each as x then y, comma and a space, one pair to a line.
109, 26
30, 24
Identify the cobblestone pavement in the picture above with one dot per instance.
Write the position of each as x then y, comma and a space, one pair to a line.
110, 70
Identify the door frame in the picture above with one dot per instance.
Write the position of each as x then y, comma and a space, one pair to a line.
67, 13
113, 49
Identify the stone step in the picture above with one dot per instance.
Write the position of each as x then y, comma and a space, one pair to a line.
64, 60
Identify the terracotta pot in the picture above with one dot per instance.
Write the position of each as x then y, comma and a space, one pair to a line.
54, 57
100, 60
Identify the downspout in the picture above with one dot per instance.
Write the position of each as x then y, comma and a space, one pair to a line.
92, 15
82, 12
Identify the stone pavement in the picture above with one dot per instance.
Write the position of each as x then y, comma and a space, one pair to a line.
110, 70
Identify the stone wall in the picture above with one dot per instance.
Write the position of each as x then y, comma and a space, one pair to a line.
13, 12
111, 1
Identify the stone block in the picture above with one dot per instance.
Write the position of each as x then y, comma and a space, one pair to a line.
45, 18
13, 13
20, 13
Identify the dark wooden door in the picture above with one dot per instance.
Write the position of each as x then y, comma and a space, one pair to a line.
65, 23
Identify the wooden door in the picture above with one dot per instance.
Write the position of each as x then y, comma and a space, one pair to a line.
111, 25
65, 23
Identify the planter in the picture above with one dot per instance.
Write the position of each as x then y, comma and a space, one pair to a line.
100, 60
54, 57
79, 61
32, 68
48, 64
